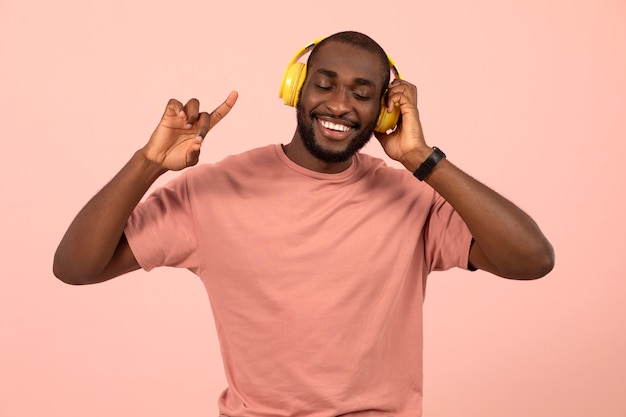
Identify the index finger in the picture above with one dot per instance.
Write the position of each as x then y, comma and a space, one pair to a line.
218, 114
400, 93
223, 109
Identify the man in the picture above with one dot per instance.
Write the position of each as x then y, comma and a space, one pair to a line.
314, 256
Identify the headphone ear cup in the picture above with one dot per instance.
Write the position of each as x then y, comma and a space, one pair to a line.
387, 121
292, 83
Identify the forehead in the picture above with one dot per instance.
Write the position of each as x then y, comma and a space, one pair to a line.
348, 61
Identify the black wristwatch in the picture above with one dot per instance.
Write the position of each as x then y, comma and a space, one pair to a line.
427, 166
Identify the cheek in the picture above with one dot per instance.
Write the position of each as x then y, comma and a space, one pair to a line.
307, 94
370, 112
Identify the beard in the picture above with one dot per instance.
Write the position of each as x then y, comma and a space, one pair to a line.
305, 129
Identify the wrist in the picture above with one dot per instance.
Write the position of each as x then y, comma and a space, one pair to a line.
414, 159
151, 168
426, 167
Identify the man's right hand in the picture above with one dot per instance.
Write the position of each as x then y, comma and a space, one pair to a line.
175, 143
94, 248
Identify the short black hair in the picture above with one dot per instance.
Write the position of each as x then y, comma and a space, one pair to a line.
358, 40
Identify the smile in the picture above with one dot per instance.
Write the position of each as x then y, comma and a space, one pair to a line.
334, 126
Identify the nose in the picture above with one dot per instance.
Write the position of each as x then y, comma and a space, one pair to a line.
338, 102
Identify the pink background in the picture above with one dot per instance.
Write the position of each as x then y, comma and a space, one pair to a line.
527, 96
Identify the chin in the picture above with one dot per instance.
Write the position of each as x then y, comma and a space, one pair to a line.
333, 155
313, 146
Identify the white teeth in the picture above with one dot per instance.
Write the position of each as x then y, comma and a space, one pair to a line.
334, 126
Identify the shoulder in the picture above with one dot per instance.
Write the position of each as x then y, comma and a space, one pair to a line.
375, 167
396, 180
247, 160
378, 166
233, 170
264, 153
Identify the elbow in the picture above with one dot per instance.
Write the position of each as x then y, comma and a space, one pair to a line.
64, 276
527, 262
64, 272
545, 259
539, 269
539, 264
546, 265
68, 280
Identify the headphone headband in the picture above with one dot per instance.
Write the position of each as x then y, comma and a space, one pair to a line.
311, 45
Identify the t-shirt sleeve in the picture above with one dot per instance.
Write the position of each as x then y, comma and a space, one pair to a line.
447, 238
160, 230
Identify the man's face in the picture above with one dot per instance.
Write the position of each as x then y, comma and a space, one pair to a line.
340, 102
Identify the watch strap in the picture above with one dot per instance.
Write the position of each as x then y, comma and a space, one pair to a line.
429, 164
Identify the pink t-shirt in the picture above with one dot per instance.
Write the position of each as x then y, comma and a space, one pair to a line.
316, 281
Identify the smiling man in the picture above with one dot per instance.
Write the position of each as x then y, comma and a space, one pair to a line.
314, 255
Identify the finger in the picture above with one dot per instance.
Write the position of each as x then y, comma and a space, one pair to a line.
193, 155
393, 100
192, 109
174, 108
223, 109
207, 121
394, 93
401, 94
204, 126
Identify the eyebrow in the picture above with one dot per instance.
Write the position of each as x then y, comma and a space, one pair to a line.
358, 80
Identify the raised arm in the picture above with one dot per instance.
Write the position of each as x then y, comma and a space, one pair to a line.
94, 248
507, 242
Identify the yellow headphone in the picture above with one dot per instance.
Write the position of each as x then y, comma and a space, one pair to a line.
296, 73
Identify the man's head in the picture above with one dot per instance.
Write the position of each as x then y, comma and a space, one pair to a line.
339, 103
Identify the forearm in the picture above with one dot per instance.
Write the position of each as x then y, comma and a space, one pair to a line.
508, 241
93, 237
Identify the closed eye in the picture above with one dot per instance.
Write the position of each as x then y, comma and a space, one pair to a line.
361, 96
323, 87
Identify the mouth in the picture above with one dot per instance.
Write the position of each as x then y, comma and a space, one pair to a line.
333, 130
